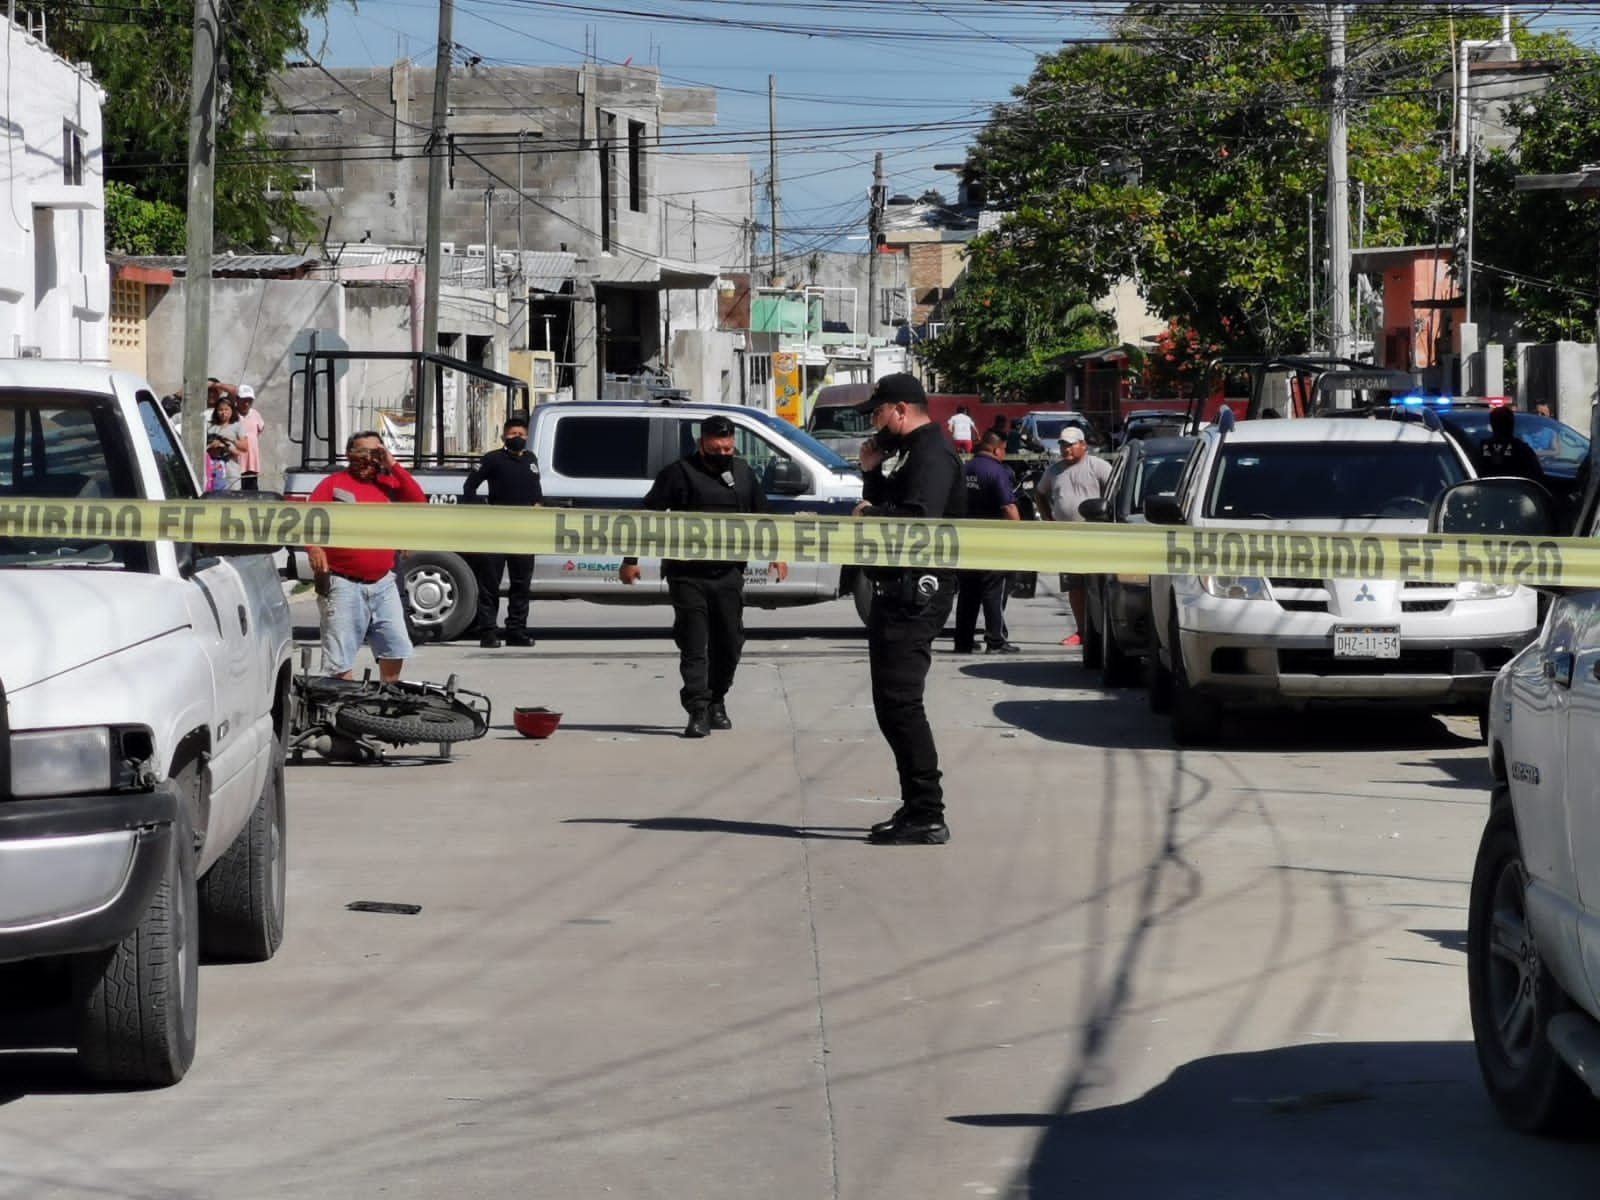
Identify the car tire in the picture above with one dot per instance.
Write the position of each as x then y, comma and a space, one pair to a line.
1196, 719
1118, 668
136, 1004
1513, 996
1159, 692
441, 594
1090, 635
243, 897
861, 593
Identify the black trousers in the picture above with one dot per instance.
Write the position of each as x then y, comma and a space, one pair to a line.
984, 590
490, 566
708, 625
900, 633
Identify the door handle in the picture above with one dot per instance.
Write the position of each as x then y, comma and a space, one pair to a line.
1558, 668
244, 620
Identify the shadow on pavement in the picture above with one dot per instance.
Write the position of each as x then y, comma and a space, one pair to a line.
1116, 721
1473, 773
1315, 1122
1447, 939
1052, 673
640, 730
840, 833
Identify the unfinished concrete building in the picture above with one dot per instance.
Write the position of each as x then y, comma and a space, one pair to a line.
551, 195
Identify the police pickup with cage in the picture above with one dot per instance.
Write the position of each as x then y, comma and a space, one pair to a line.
595, 455
144, 699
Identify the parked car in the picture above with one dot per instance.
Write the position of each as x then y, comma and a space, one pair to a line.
1221, 641
145, 687
1533, 917
1118, 606
1041, 432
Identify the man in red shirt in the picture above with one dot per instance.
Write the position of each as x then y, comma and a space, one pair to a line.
357, 594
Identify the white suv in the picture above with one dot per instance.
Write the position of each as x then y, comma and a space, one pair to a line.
1293, 639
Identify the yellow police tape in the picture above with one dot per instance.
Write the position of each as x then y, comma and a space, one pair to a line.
843, 541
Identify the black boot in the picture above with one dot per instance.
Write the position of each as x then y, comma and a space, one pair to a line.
518, 637
490, 640
699, 726
915, 829
883, 827
717, 716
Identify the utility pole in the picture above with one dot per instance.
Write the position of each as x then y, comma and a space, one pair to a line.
1311, 272
874, 232
1472, 201
202, 190
772, 178
438, 148
1340, 341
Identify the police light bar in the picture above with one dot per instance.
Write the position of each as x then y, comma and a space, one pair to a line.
1418, 400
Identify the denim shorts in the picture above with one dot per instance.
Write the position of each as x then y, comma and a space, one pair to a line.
354, 613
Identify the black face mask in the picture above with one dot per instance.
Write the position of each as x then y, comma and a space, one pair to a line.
516, 444
717, 462
888, 442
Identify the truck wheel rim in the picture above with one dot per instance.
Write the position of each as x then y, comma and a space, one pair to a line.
1513, 967
432, 594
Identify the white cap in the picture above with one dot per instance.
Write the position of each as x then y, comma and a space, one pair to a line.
1071, 435
246, 392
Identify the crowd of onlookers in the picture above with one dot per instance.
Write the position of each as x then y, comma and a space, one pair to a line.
233, 435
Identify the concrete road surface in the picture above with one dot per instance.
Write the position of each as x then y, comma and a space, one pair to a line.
649, 967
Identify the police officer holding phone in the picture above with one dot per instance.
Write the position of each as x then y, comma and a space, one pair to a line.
909, 470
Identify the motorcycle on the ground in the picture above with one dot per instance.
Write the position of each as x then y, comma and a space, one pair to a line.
353, 720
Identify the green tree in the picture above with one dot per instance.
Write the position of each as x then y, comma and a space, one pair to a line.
135, 226
140, 53
1538, 252
1006, 341
1183, 156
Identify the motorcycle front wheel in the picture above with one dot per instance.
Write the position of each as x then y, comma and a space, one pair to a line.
431, 724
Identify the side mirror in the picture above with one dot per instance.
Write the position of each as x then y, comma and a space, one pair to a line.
1497, 505
789, 478
1163, 510
1093, 509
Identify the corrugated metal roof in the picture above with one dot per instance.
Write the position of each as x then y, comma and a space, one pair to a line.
256, 265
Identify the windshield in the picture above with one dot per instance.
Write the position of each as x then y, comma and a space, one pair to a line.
799, 437
55, 446
1159, 473
839, 420
1049, 428
1330, 480
1561, 449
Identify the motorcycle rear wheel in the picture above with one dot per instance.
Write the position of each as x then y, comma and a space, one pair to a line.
435, 723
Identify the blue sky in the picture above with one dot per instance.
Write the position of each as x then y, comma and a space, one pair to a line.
912, 78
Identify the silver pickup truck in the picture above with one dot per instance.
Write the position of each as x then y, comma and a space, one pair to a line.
144, 692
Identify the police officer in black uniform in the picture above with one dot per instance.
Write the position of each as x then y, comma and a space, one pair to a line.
909, 471
707, 597
512, 473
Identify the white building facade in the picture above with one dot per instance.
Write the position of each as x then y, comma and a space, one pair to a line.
55, 287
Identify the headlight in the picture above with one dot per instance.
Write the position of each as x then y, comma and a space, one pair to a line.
64, 762
1235, 587
1485, 591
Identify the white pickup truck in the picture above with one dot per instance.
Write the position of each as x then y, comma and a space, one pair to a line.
1533, 923
144, 699
590, 455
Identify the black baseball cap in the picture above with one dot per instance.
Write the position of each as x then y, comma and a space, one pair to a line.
900, 388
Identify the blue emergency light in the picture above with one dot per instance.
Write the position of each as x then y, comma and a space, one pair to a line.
1418, 400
